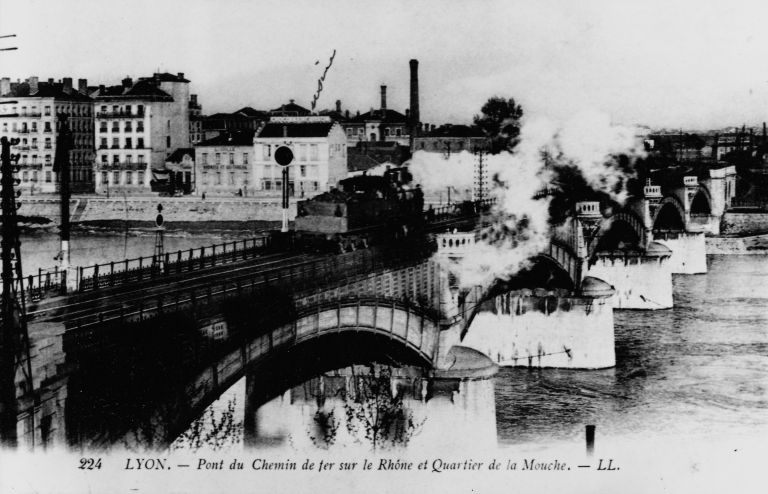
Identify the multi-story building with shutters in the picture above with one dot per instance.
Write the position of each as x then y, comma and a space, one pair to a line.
320, 154
34, 120
138, 125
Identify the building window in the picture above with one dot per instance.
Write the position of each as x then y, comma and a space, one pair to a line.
34, 126
115, 126
128, 127
218, 158
303, 169
103, 127
115, 159
245, 158
140, 143
139, 126
47, 159
47, 127
231, 178
47, 143
128, 143
141, 177
398, 131
103, 143
267, 185
218, 178
313, 152
25, 176
115, 143
267, 151
167, 141
104, 159
129, 178
34, 143
205, 158
47, 177
47, 110
129, 158
302, 152
115, 177
140, 110
231, 158
349, 132
140, 159
205, 178
104, 177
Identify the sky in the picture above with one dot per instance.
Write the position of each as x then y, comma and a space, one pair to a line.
690, 64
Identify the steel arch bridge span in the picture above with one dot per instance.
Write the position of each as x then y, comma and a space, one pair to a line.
624, 226
670, 215
355, 327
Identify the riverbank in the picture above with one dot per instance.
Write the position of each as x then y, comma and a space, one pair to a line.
754, 244
140, 211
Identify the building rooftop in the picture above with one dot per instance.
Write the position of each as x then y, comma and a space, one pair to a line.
297, 129
290, 109
143, 89
178, 155
236, 138
165, 77
45, 90
387, 116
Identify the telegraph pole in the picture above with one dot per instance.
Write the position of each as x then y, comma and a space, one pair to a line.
8, 330
61, 168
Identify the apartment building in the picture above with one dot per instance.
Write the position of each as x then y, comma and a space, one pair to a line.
34, 120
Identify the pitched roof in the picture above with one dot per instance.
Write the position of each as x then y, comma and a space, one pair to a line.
165, 77
291, 108
251, 112
46, 90
178, 155
299, 129
387, 115
143, 89
236, 138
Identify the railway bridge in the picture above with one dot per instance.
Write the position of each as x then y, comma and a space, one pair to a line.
131, 352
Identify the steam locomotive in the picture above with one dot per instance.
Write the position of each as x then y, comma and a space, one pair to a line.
364, 210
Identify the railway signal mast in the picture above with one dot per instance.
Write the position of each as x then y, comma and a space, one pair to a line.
284, 157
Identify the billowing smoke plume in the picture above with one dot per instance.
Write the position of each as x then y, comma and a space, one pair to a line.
524, 182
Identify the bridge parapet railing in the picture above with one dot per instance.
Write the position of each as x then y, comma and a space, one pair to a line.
146, 268
47, 282
299, 277
755, 204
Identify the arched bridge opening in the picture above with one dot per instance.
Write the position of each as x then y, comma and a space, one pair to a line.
341, 333
700, 204
669, 218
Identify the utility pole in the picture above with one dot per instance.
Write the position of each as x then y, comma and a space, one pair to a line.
9, 330
61, 168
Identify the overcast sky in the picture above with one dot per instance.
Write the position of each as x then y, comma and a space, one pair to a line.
660, 63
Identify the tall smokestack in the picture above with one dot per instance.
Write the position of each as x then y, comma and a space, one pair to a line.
414, 123
383, 98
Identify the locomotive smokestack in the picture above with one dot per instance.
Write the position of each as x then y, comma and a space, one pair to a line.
383, 98
414, 123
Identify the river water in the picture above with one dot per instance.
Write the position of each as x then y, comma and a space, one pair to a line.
696, 372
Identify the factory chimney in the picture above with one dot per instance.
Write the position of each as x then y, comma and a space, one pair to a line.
414, 123
383, 98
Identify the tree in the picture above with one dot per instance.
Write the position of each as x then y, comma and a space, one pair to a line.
500, 120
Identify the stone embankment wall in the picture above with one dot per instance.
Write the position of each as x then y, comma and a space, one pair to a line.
144, 209
756, 244
744, 223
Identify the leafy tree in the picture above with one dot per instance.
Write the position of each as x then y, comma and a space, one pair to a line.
500, 120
